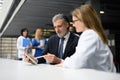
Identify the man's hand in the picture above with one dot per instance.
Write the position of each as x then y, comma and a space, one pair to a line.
50, 58
28, 60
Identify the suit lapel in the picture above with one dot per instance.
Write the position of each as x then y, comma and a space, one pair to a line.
57, 45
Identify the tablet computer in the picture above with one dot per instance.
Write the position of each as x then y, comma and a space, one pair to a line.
28, 53
31, 58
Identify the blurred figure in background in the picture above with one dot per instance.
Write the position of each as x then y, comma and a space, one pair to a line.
72, 29
38, 43
23, 43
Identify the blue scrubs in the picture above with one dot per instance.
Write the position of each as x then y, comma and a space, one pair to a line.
38, 51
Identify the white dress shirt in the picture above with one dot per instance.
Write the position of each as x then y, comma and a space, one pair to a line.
91, 53
65, 41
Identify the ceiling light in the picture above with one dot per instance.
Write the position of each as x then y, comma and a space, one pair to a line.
102, 12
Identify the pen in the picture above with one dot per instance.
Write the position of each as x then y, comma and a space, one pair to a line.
39, 57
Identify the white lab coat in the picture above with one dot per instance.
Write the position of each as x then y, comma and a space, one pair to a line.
20, 47
91, 53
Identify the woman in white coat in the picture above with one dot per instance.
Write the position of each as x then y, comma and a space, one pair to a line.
92, 51
23, 43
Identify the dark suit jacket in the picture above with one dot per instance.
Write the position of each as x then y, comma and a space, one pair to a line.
53, 46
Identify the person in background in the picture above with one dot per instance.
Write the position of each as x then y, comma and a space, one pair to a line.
23, 43
92, 51
72, 29
38, 43
52, 50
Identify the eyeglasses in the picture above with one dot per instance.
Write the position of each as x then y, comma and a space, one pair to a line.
74, 21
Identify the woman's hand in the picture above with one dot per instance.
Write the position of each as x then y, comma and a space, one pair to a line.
59, 65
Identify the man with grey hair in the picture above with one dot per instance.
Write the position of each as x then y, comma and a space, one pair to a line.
52, 50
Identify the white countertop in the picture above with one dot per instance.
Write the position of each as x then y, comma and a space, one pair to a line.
19, 70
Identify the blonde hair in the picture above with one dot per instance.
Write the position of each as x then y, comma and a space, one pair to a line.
87, 14
38, 34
